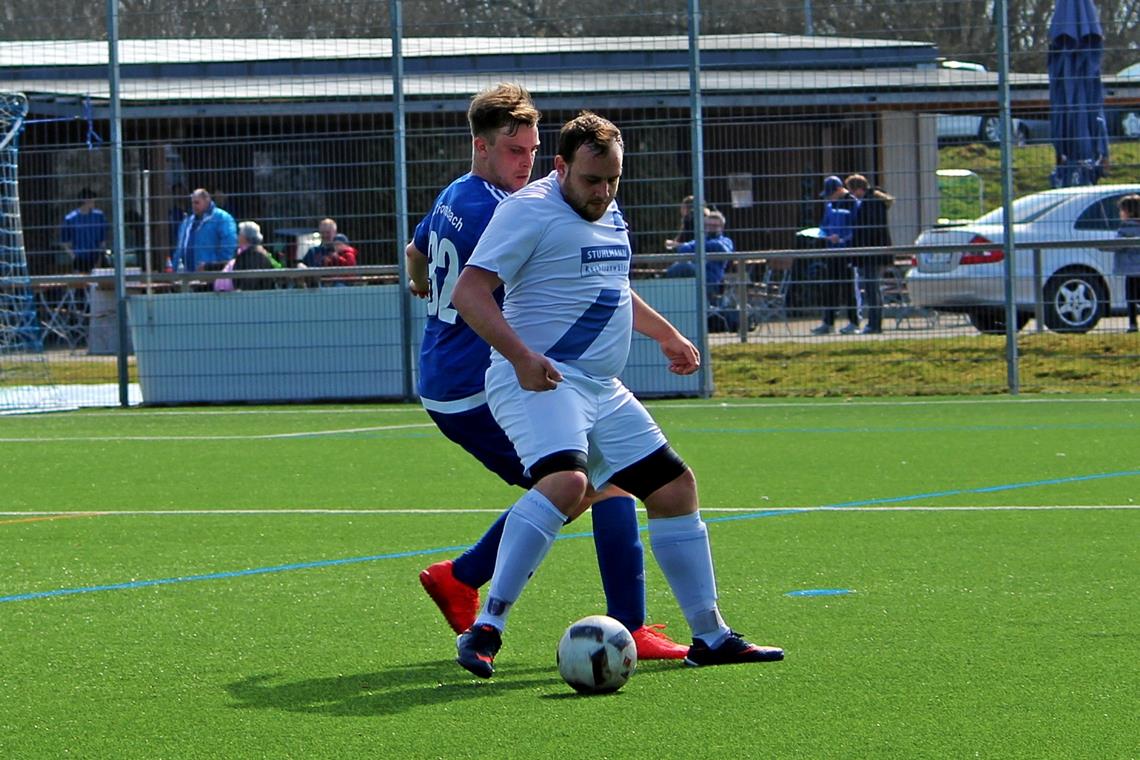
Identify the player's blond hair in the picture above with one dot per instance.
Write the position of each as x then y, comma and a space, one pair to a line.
504, 105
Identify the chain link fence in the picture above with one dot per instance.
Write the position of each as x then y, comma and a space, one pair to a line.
289, 113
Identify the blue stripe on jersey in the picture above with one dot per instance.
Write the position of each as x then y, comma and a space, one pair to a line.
585, 331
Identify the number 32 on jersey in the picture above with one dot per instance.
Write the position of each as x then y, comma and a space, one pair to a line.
443, 268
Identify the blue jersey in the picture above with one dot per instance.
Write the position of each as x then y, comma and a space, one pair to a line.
453, 358
85, 233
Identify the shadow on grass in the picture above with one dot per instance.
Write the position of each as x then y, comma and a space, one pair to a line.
397, 689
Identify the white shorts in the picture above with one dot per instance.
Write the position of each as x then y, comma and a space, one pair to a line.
600, 418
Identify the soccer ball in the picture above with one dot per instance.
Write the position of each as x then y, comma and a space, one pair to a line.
596, 655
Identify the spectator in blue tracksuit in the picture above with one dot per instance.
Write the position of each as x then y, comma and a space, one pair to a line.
715, 242
837, 229
84, 234
207, 238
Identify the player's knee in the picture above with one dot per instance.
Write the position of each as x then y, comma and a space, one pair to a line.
675, 498
561, 477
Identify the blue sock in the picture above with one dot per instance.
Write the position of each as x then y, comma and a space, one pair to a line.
476, 565
621, 559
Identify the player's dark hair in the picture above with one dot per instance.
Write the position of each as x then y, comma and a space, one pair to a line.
587, 128
504, 105
86, 194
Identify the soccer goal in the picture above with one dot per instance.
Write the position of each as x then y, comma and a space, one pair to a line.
25, 379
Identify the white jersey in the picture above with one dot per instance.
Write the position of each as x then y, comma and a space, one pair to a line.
567, 279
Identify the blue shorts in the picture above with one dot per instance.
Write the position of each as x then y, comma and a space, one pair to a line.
478, 433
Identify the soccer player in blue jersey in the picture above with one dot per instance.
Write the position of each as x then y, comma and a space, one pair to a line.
560, 338
454, 359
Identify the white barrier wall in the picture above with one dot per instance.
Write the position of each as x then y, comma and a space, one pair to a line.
320, 344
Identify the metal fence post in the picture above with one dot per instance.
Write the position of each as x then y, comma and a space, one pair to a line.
400, 180
696, 130
1001, 11
117, 206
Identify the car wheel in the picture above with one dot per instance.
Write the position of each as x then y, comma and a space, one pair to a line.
1074, 301
991, 320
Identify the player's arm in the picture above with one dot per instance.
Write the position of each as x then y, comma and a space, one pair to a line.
417, 262
684, 358
474, 299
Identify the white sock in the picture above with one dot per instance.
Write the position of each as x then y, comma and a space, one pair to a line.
530, 529
681, 547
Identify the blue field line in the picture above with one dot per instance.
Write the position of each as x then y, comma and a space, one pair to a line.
563, 536
928, 495
229, 574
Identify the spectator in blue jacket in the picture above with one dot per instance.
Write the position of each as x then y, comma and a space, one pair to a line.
207, 238
839, 282
715, 242
84, 234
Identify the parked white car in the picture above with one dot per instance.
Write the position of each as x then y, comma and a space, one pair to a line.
1077, 287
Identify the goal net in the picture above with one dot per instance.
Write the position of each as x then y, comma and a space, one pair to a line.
25, 379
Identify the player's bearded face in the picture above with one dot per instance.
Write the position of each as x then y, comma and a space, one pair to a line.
510, 158
590, 183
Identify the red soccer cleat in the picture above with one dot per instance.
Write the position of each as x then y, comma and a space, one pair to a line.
458, 602
652, 644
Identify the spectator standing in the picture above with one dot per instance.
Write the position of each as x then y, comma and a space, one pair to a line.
84, 234
836, 230
207, 238
871, 230
1128, 259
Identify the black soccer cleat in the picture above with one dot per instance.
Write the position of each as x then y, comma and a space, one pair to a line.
477, 647
732, 650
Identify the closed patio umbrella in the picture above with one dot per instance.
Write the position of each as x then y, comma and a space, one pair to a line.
1076, 95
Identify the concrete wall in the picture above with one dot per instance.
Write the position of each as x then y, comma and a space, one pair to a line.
322, 344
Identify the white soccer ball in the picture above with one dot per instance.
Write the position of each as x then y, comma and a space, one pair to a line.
597, 655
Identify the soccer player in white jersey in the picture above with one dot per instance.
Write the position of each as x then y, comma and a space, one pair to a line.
454, 359
561, 248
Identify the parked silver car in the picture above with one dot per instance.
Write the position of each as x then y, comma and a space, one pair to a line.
1077, 286
975, 127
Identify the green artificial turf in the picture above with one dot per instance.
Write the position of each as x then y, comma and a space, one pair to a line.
212, 617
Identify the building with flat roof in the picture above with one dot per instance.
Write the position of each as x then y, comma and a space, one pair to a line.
290, 131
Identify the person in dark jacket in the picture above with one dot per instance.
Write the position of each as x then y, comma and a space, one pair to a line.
870, 230
1128, 259
250, 256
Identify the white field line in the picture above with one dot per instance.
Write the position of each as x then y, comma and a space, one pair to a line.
772, 404
452, 512
198, 412
849, 403
263, 437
